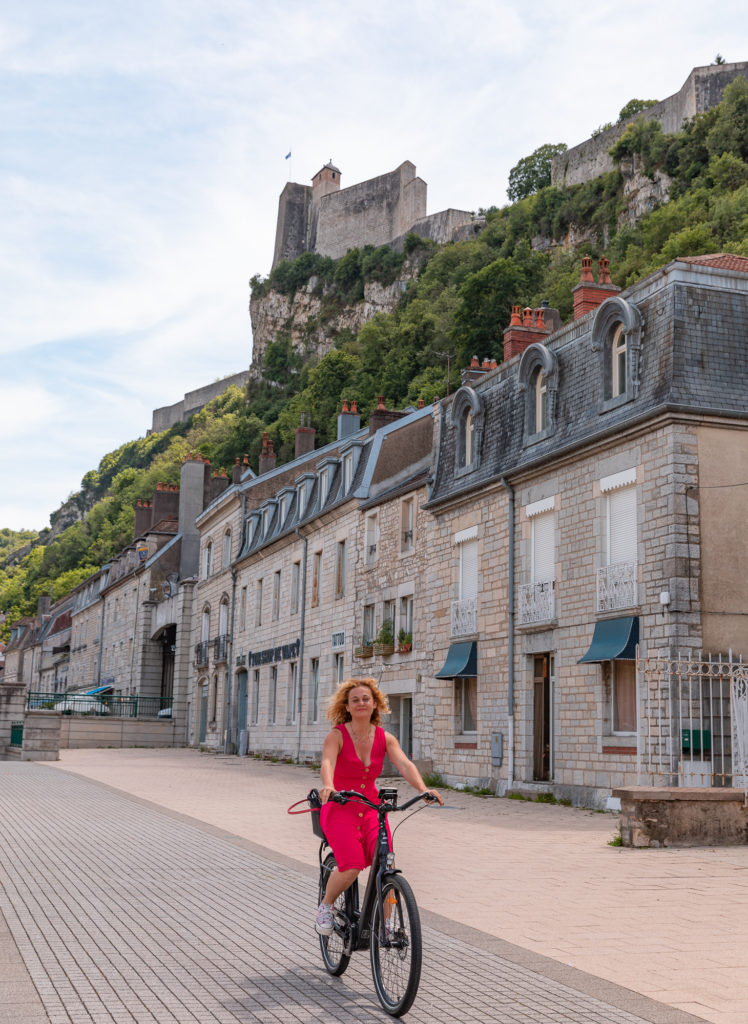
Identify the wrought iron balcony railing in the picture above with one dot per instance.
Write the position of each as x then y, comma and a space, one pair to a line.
221, 647
201, 653
537, 602
616, 587
465, 617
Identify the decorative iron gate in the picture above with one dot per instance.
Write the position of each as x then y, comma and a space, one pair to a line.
693, 721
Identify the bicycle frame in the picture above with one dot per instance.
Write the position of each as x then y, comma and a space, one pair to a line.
382, 867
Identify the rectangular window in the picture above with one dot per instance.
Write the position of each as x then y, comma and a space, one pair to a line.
372, 538
340, 569
621, 531
466, 706
624, 697
226, 549
316, 578
543, 568
369, 623
255, 714
293, 691
388, 613
339, 667
243, 609
406, 614
295, 577
258, 603
406, 524
468, 570
273, 695
314, 681
276, 594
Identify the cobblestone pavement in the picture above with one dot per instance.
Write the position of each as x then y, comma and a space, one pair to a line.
125, 912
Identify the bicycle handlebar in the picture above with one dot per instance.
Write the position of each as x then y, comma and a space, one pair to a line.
344, 795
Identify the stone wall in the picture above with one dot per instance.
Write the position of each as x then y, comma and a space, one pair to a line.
702, 90
370, 213
194, 401
84, 731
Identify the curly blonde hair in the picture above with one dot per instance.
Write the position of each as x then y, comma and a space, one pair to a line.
337, 711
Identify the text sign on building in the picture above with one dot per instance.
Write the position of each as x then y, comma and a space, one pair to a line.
281, 653
338, 640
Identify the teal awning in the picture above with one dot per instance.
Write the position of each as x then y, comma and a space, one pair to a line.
614, 640
461, 663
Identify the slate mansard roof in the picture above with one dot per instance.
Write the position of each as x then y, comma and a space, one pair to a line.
690, 323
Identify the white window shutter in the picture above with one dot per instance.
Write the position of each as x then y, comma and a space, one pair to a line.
468, 570
622, 526
544, 548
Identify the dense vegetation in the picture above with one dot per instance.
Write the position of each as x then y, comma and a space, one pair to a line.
457, 307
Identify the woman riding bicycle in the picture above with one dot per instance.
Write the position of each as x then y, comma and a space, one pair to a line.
352, 758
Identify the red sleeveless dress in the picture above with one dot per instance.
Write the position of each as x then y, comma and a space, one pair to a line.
351, 828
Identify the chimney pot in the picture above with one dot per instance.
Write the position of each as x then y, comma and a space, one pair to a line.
494, 364
586, 269
540, 317
516, 320
474, 363
486, 364
345, 406
380, 403
354, 406
527, 317
604, 271
421, 403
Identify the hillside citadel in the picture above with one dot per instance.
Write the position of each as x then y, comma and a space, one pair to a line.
702, 90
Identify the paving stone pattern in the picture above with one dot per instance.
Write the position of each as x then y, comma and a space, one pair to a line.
123, 913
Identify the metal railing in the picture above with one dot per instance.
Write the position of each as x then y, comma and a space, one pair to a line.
16, 734
221, 647
537, 602
201, 653
94, 705
616, 587
465, 617
692, 720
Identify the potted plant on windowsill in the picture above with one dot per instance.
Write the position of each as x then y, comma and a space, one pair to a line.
364, 648
384, 645
404, 642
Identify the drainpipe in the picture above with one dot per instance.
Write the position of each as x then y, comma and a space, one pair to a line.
300, 676
510, 633
101, 640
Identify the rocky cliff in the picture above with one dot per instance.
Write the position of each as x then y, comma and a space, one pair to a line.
314, 316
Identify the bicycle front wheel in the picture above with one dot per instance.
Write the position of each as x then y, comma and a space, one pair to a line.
334, 947
396, 957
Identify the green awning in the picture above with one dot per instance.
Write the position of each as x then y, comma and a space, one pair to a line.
461, 663
614, 640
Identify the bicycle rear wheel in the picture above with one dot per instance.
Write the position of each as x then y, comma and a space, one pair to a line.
334, 946
396, 963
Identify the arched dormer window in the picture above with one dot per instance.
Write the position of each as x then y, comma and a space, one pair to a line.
538, 380
467, 419
616, 335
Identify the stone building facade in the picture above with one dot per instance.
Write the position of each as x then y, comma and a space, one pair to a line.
583, 473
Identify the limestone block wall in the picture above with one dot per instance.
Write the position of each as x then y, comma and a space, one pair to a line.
41, 736
85, 731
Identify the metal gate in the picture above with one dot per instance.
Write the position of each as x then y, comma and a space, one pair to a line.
693, 720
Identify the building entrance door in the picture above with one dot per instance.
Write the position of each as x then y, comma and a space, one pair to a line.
203, 712
542, 717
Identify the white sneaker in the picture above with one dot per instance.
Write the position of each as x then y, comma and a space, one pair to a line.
324, 925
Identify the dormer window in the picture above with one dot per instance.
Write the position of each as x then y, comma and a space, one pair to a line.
467, 418
347, 472
616, 335
618, 363
538, 381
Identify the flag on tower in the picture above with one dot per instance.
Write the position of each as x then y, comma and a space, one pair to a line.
288, 155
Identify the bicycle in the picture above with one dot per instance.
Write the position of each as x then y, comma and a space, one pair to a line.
387, 921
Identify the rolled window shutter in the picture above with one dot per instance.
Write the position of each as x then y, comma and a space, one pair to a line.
622, 526
544, 548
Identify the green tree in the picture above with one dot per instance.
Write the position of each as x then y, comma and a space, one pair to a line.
634, 107
533, 172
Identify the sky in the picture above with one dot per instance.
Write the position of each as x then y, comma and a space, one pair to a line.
142, 153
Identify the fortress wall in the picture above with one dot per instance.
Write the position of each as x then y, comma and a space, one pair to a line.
291, 229
445, 226
702, 90
370, 213
193, 402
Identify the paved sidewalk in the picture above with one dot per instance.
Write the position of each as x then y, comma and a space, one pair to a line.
124, 911
670, 924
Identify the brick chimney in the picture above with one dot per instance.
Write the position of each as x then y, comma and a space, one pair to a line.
165, 503
268, 457
587, 294
304, 438
525, 328
349, 421
381, 416
143, 514
219, 482
477, 370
